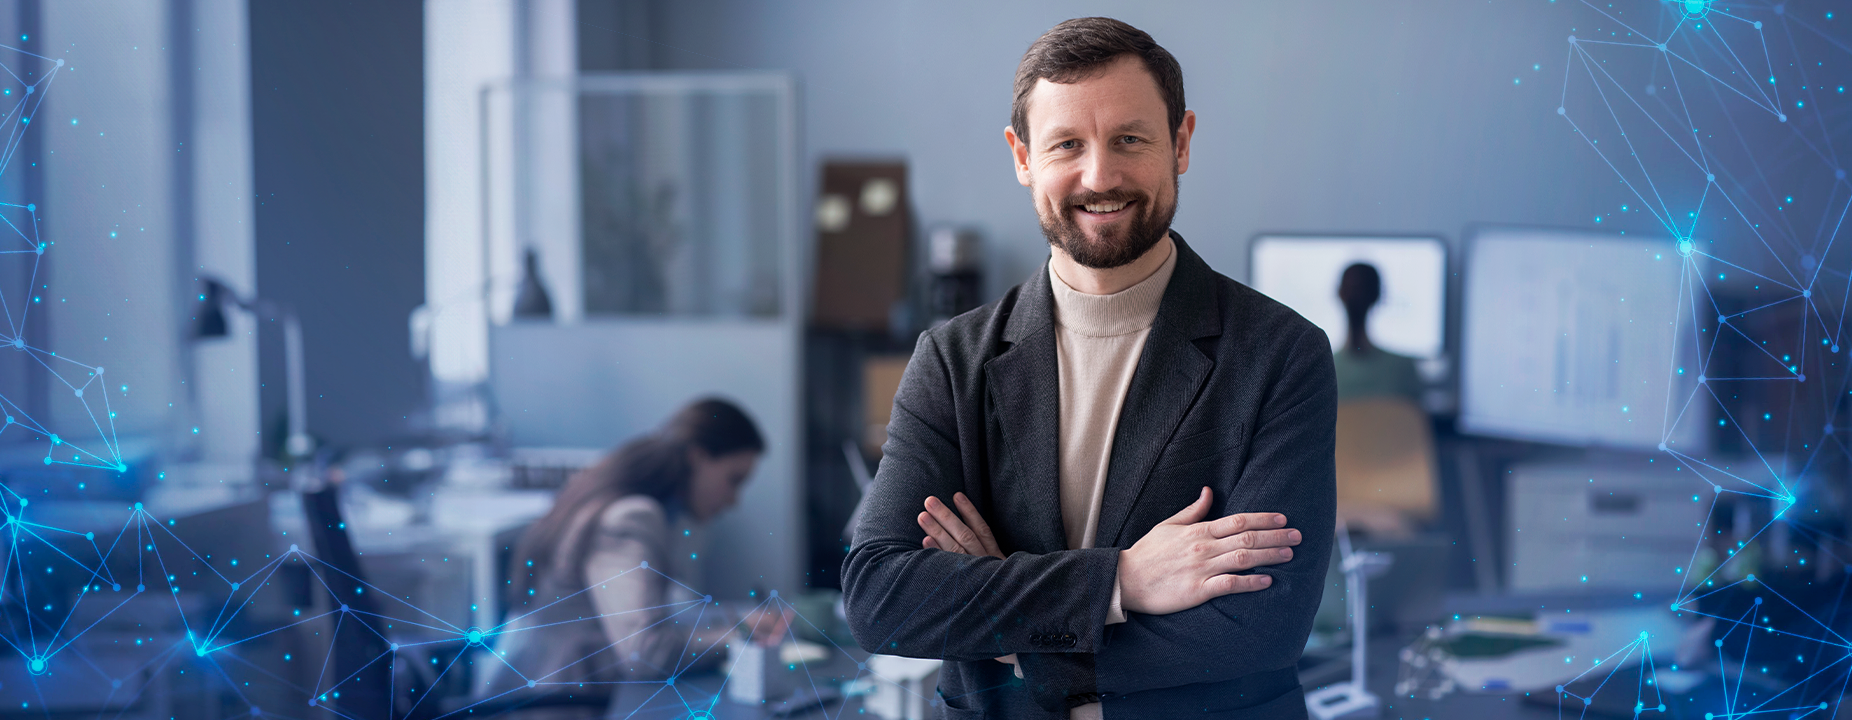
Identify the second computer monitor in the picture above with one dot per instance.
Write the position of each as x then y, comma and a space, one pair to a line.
1302, 271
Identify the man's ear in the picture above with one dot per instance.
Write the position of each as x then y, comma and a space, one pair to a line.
1019, 155
1184, 132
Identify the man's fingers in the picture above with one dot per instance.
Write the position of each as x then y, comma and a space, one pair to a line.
967, 540
939, 534
1245, 559
975, 519
1195, 512
1231, 584
1257, 539
1244, 522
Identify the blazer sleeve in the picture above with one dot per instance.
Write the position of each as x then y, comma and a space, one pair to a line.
1291, 469
902, 599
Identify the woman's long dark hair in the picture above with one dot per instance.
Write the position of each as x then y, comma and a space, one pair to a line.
655, 465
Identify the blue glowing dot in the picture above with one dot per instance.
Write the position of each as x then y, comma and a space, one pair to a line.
73, 121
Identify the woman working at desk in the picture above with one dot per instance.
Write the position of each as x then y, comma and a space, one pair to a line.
596, 593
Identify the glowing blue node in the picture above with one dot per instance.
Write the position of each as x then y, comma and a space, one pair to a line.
1685, 246
89, 536
292, 547
47, 459
31, 207
1806, 293
1559, 688
19, 343
79, 391
1711, 178
644, 565
531, 683
199, 651
1561, 111
395, 647
1718, 643
474, 636
343, 607
1702, 379
36, 666
1783, 117
1695, 9
1571, 39
1662, 447
1758, 601
670, 682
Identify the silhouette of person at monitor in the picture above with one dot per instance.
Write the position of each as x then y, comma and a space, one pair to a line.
1363, 369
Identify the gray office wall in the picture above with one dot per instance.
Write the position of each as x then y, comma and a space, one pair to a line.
338, 147
1328, 115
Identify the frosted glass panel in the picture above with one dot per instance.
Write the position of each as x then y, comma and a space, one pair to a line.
679, 198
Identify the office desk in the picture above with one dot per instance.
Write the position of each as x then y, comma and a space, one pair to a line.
437, 555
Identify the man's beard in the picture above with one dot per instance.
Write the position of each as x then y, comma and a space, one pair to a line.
1115, 247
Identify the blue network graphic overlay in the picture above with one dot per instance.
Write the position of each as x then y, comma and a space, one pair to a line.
1723, 125
20, 244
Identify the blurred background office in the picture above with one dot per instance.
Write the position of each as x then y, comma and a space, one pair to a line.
453, 252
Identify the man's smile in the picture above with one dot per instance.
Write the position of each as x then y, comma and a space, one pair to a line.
1105, 212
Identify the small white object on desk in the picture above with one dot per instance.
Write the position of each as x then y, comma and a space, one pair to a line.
758, 674
902, 686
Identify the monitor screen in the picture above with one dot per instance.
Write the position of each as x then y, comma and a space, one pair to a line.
1302, 273
1570, 337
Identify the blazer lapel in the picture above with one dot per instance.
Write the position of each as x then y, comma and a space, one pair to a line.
1025, 399
1169, 377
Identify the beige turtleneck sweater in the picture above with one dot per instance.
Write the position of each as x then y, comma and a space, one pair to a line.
1098, 339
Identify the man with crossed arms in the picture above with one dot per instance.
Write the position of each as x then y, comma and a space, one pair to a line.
1111, 492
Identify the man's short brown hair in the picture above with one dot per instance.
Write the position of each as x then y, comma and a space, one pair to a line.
1080, 48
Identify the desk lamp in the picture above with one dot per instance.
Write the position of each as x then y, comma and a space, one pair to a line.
210, 323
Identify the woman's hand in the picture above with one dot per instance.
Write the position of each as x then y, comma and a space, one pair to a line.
765, 626
961, 532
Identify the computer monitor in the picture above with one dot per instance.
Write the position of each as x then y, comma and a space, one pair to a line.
1302, 272
1569, 337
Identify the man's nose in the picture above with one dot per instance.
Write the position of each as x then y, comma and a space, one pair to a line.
1100, 169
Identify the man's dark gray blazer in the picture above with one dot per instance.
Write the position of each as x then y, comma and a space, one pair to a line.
1233, 391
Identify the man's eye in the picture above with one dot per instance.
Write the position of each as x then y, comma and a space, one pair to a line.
1129, 139
1067, 145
